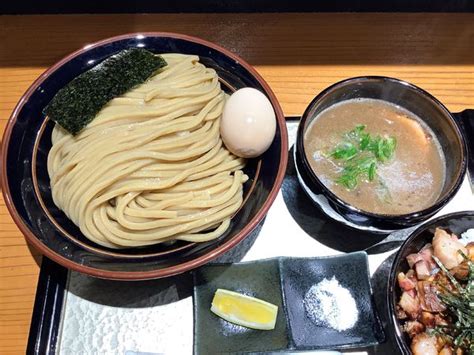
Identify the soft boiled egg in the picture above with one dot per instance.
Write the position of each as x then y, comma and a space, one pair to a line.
248, 123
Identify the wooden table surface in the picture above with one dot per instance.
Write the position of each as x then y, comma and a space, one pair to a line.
298, 54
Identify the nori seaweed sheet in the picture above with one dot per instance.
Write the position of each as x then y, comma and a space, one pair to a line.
76, 104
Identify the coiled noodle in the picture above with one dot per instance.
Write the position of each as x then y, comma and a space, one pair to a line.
151, 167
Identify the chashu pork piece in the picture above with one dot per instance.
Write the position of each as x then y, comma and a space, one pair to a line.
423, 344
445, 248
410, 304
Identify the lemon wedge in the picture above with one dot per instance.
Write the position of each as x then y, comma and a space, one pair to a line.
244, 310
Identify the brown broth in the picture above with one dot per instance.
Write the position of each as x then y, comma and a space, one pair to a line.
411, 181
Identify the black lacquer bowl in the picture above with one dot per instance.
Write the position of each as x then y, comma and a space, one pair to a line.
456, 223
405, 95
26, 187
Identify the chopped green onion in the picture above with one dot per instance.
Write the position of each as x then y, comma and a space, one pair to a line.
360, 153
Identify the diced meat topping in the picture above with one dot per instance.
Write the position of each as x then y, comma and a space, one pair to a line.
427, 254
461, 271
470, 250
412, 259
428, 319
446, 248
423, 344
413, 328
422, 269
420, 307
411, 305
429, 300
405, 283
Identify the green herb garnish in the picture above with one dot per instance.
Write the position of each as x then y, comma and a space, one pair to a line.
344, 151
360, 154
76, 104
354, 168
459, 300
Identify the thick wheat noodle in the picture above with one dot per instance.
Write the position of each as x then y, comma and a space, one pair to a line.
151, 167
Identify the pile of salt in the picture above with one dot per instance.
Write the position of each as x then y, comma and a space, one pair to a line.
332, 305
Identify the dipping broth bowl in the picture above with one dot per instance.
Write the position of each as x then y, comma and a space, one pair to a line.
407, 96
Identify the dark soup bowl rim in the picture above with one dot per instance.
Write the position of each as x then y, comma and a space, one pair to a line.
392, 284
179, 267
403, 219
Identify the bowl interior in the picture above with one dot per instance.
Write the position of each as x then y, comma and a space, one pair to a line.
456, 223
28, 182
413, 99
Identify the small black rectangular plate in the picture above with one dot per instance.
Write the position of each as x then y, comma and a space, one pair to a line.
213, 335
